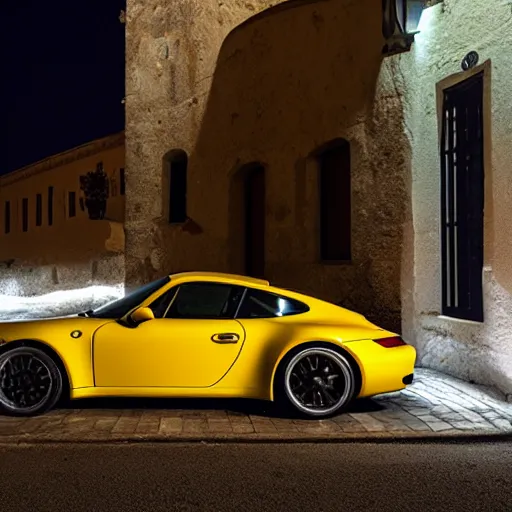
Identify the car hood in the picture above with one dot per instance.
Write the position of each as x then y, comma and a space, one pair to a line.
49, 328
31, 320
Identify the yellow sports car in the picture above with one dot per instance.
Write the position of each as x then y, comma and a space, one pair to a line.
203, 334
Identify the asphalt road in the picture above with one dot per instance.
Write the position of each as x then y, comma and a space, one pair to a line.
321, 477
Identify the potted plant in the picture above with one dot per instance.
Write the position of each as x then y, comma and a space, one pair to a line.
95, 186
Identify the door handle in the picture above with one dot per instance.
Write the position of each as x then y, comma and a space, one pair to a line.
226, 337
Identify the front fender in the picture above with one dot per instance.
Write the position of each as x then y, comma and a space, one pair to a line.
75, 352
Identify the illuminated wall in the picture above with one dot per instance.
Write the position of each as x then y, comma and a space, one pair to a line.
61, 220
478, 351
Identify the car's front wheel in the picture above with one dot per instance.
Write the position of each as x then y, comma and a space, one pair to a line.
30, 382
318, 382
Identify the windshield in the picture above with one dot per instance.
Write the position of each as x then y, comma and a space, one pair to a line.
120, 307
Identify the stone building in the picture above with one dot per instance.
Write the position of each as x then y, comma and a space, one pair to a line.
58, 228
277, 116
325, 146
278, 137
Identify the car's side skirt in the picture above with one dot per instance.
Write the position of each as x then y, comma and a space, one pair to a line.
156, 392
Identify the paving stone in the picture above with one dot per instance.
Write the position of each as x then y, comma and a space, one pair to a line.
195, 425
427, 418
418, 411
348, 424
242, 428
217, 414
426, 395
461, 401
105, 424
441, 409
284, 425
318, 428
501, 424
452, 416
29, 426
438, 426
132, 413
491, 415
148, 426
8, 429
171, 426
370, 423
126, 425
463, 425
220, 425
395, 426
263, 426
471, 416
84, 426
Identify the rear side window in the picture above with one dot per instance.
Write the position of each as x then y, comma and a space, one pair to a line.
259, 304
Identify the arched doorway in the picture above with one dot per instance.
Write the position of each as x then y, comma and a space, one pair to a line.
254, 228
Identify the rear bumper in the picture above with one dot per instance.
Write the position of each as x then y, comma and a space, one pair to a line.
383, 370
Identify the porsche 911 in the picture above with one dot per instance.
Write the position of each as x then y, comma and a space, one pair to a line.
204, 335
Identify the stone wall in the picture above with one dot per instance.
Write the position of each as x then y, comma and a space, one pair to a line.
472, 351
271, 90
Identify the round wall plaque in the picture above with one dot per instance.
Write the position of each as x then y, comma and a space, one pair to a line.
470, 61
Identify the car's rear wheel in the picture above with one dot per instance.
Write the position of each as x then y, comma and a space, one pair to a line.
318, 382
30, 382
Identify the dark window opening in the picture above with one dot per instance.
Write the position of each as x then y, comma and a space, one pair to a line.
177, 164
7, 217
205, 301
260, 304
72, 204
462, 200
24, 214
122, 182
335, 203
50, 206
39, 209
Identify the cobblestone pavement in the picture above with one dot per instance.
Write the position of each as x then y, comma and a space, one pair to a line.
433, 405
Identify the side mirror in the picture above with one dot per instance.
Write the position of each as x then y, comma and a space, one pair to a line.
141, 315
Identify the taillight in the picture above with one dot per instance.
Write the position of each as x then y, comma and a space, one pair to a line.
395, 341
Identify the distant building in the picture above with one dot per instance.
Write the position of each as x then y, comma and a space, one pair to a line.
61, 220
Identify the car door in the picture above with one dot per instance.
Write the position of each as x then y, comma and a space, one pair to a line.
192, 342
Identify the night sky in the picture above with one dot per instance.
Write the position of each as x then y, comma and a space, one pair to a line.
62, 78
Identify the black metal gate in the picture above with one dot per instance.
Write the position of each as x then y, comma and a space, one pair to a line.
462, 200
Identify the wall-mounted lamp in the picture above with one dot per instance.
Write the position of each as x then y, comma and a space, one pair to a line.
400, 21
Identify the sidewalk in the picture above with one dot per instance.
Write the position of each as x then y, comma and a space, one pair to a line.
434, 406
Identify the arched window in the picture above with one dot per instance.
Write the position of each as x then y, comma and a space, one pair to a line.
175, 167
335, 201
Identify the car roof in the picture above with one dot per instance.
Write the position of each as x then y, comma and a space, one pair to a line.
210, 276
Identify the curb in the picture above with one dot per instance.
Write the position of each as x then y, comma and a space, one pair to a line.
377, 437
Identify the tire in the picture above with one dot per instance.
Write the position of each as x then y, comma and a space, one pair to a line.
316, 382
30, 382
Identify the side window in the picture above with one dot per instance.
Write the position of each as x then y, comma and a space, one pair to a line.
160, 305
259, 304
205, 300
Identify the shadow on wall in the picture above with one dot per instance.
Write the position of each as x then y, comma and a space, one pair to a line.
287, 82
